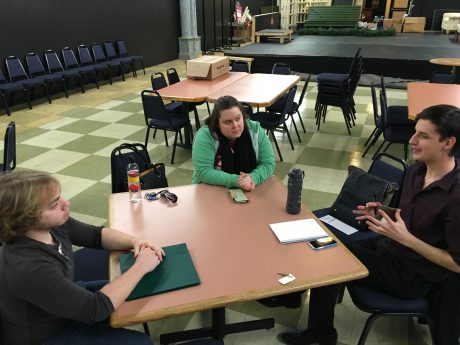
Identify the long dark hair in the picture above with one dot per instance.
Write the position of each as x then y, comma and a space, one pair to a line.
223, 103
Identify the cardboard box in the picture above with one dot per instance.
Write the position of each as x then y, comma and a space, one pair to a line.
207, 67
414, 24
387, 23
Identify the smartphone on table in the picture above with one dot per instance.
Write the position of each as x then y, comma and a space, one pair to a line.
322, 243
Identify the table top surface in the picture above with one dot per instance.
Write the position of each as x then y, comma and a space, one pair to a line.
446, 61
196, 90
236, 255
424, 95
258, 89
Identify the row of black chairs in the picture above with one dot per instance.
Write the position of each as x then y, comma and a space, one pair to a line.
102, 59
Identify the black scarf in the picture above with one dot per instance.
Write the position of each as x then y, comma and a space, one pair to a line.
237, 156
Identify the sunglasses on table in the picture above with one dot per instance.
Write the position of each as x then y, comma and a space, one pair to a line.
165, 193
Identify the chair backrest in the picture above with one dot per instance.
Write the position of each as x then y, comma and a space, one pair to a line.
85, 56
70, 61
52, 61
34, 65
15, 69
154, 108
9, 149
98, 53
392, 169
122, 50
375, 107
240, 66
119, 160
355, 60
281, 68
289, 101
158, 81
173, 76
383, 89
110, 50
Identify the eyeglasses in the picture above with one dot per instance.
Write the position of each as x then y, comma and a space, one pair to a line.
171, 197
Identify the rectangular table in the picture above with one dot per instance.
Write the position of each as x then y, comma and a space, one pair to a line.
275, 33
236, 255
257, 90
424, 95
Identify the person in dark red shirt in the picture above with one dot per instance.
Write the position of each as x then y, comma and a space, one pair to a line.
421, 251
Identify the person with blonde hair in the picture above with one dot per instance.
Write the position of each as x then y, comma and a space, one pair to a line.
39, 301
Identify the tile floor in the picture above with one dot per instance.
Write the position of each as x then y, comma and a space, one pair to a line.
73, 138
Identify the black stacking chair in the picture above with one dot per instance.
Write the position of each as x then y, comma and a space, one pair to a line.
281, 68
7, 89
123, 52
272, 121
173, 78
87, 61
377, 132
380, 304
157, 117
442, 78
101, 59
240, 66
124, 61
17, 73
71, 65
158, 82
397, 128
9, 148
337, 89
55, 67
36, 70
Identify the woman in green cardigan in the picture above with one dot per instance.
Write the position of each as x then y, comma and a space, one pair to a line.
232, 151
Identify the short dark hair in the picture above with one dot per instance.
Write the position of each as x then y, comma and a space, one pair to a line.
223, 103
446, 118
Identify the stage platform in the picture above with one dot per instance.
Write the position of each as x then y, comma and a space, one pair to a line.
405, 55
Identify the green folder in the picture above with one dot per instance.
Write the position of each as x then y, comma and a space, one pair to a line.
175, 272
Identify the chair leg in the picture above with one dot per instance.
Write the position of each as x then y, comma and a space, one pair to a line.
288, 135
197, 118
209, 110
367, 328
174, 147
146, 328
295, 127
374, 140
301, 122
277, 147
96, 81
64, 86
5, 105
80, 82
27, 93
109, 76
341, 293
122, 73
166, 137
378, 150
147, 137
370, 136
133, 70
47, 87
142, 63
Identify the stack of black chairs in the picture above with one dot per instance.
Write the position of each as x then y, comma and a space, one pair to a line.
37, 76
336, 89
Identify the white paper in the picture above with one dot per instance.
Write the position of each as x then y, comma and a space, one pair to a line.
338, 224
298, 230
287, 279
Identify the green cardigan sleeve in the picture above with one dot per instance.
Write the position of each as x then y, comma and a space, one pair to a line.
203, 155
265, 158
204, 152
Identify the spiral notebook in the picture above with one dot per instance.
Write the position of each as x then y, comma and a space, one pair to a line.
298, 230
175, 272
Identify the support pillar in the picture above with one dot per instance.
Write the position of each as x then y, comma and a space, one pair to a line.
189, 42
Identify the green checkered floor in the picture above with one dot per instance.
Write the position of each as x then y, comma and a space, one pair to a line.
73, 138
